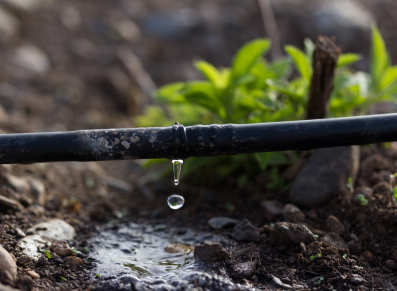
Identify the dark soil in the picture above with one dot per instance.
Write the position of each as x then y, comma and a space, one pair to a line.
88, 86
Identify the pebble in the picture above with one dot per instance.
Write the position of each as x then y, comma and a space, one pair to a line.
23, 260
8, 266
54, 229
20, 233
245, 231
209, 251
391, 264
292, 213
177, 248
73, 262
334, 225
335, 240
31, 58
61, 248
33, 274
71, 17
10, 203
368, 254
18, 184
243, 270
317, 182
271, 209
356, 279
118, 185
38, 190
219, 223
9, 25
290, 234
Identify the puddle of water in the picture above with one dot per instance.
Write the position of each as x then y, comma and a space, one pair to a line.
140, 250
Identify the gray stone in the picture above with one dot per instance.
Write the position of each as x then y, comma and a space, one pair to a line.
37, 188
356, 279
292, 213
54, 229
219, 223
335, 240
8, 267
272, 208
334, 225
209, 251
242, 270
10, 203
9, 25
285, 233
32, 59
391, 264
324, 175
18, 184
118, 185
245, 231
20, 233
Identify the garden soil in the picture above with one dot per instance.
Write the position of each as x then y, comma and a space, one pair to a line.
82, 83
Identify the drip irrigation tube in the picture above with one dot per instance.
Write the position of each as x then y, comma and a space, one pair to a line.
179, 142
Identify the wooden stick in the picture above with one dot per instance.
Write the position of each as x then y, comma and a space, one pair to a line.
325, 59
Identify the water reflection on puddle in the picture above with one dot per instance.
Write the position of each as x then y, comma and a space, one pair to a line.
141, 249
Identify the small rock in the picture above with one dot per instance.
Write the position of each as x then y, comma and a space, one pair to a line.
33, 274
18, 184
32, 59
334, 225
290, 234
382, 188
20, 233
210, 252
335, 240
389, 287
61, 248
177, 248
54, 229
30, 245
276, 282
23, 260
272, 209
266, 229
356, 279
73, 262
303, 248
243, 270
36, 210
368, 254
391, 264
71, 17
354, 237
219, 223
245, 231
38, 190
8, 267
318, 182
10, 204
9, 25
293, 214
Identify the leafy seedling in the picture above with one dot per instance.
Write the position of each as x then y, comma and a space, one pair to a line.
46, 252
318, 256
395, 194
62, 278
345, 256
361, 198
76, 251
350, 184
320, 280
98, 276
85, 250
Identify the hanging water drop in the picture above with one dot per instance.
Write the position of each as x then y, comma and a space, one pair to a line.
177, 167
175, 201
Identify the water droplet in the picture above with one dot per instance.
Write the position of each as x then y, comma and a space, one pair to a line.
175, 201
177, 167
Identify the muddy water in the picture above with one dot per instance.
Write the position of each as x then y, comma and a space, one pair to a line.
136, 254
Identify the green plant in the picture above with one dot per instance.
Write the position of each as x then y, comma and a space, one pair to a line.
395, 194
76, 251
46, 252
314, 257
361, 198
62, 278
350, 184
253, 90
344, 256
320, 280
86, 250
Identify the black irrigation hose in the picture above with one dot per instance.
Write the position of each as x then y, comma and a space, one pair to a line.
179, 142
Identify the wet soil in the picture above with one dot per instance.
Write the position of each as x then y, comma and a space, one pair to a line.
88, 86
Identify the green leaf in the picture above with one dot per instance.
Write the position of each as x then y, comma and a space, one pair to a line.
263, 159
379, 56
203, 93
284, 89
347, 59
389, 77
248, 55
211, 74
170, 93
301, 61
309, 49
